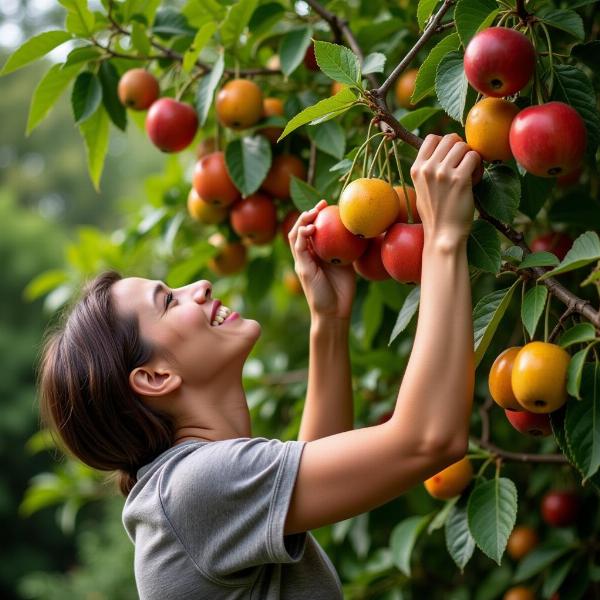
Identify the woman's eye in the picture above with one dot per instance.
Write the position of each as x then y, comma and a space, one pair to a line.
168, 299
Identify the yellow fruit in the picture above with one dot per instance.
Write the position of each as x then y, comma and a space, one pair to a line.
500, 379
239, 104
405, 86
203, 212
519, 593
522, 541
452, 481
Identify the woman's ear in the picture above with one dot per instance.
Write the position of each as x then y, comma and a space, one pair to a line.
153, 381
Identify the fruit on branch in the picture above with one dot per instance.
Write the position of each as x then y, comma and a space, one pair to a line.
310, 60
239, 104
279, 177
539, 377
370, 265
272, 107
138, 89
332, 242
452, 481
412, 198
368, 206
404, 88
555, 241
230, 257
559, 508
288, 222
291, 283
402, 251
548, 140
171, 125
212, 182
206, 146
534, 424
203, 212
488, 126
519, 592
499, 61
254, 219
499, 379
522, 541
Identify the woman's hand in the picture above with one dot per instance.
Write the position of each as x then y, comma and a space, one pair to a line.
329, 289
442, 177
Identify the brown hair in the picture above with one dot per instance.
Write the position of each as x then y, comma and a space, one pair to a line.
85, 395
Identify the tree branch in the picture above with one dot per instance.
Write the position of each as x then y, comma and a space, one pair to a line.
521, 456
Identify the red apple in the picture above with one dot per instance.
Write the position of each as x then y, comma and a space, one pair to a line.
212, 181
560, 508
310, 60
548, 140
556, 242
254, 219
537, 425
332, 242
171, 125
499, 61
370, 265
402, 250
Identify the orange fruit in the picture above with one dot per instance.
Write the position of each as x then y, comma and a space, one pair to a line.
451, 481
239, 104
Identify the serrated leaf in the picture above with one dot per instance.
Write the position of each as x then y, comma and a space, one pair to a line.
338, 62
539, 558
582, 423
248, 162
80, 20
582, 332
483, 247
292, 48
487, 315
95, 132
109, 79
425, 82
451, 85
407, 312
492, 512
37, 47
585, 249
86, 96
335, 105
564, 19
459, 541
575, 372
329, 137
83, 54
48, 91
539, 259
374, 63
415, 118
236, 21
304, 196
534, 193
424, 11
442, 516
499, 192
206, 89
533, 307
200, 40
472, 15
403, 539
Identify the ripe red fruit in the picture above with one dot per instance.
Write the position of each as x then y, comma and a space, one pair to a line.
171, 125
535, 424
310, 60
559, 508
332, 242
402, 251
254, 219
138, 89
370, 265
212, 182
556, 242
548, 140
288, 223
277, 181
499, 61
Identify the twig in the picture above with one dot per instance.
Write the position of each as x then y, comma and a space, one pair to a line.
521, 456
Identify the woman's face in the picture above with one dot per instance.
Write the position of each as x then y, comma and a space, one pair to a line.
186, 323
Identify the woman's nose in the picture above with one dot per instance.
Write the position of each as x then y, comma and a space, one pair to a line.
202, 291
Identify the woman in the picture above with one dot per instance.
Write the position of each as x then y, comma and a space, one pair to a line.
148, 381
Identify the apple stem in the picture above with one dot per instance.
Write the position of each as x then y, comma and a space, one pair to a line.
364, 168
375, 157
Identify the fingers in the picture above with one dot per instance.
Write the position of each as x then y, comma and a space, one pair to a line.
304, 219
442, 149
428, 147
469, 163
456, 154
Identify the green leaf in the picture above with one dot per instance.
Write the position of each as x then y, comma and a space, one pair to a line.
425, 82
577, 209
534, 193
44, 283
139, 38
487, 315
575, 372
248, 162
540, 558
556, 576
260, 275
236, 21
329, 107
338, 62
459, 541
200, 40
48, 91
564, 19
483, 247
109, 79
199, 13
451, 85
80, 20
585, 249
415, 118
329, 137
86, 96
82, 54
206, 89
170, 22
442, 516
292, 49
145, 8
372, 315
403, 539
499, 192
264, 18
374, 63
533, 307
471, 16
95, 132
424, 10
539, 259
582, 423
304, 196
582, 332
409, 308
34, 48
588, 53
492, 512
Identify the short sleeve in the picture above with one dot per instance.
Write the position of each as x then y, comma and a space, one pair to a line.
227, 501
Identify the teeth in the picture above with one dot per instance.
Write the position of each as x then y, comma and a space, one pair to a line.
222, 313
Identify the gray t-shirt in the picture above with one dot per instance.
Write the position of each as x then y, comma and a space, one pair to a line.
207, 521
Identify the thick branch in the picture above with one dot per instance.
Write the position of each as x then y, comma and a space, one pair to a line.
521, 11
